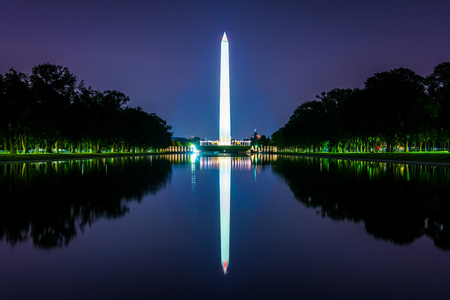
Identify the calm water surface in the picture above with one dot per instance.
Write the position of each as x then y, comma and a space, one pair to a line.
209, 227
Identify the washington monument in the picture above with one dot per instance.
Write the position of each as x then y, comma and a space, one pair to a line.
224, 113
224, 117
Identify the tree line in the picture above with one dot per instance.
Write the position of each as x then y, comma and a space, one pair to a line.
396, 110
50, 110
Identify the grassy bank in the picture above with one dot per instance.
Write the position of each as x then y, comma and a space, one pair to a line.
416, 157
6, 158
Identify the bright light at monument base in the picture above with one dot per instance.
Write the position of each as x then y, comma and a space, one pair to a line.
194, 149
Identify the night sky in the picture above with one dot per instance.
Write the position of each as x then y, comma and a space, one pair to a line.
165, 55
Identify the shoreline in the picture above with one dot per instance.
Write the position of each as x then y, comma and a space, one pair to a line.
24, 158
433, 158
441, 159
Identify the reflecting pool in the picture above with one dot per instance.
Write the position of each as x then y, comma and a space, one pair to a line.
224, 227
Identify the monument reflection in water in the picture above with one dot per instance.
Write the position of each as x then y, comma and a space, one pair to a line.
224, 164
224, 186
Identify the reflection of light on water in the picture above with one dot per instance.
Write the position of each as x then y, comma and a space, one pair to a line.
193, 157
224, 164
225, 185
237, 163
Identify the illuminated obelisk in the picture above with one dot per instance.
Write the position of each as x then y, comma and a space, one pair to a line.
224, 188
224, 117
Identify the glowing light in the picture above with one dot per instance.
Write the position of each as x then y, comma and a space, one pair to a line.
224, 186
224, 117
194, 149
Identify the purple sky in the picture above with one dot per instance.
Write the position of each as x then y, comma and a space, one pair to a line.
165, 55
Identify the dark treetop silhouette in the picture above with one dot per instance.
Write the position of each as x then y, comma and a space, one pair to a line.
49, 109
395, 108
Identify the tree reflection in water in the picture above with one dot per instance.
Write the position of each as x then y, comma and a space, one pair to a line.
49, 202
396, 202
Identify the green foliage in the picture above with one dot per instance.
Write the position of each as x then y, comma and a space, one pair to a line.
49, 108
18, 111
396, 109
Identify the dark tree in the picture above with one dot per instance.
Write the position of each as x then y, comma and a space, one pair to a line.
393, 109
50, 107
54, 88
397, 103
110, 105
144, 130
439, 90
263, 140
18, 108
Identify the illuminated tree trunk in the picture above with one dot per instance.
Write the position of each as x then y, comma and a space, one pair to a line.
98, 147
114, 147
25, 144
5, 144
48, 146
57, 147
12, 145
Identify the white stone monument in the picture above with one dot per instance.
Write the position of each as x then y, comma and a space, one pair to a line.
224, 117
